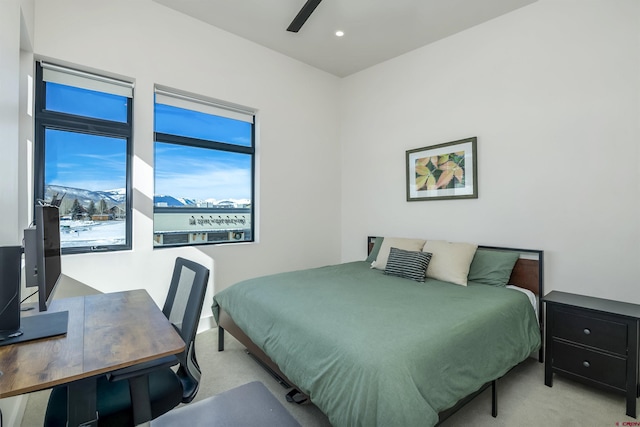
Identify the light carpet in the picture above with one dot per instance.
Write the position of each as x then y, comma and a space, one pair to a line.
523, 399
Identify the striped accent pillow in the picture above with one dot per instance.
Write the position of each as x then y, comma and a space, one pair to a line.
408, 264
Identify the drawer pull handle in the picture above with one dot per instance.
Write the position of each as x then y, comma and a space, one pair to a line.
587, 331
586, 364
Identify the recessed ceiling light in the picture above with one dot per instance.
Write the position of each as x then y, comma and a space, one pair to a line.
339, 33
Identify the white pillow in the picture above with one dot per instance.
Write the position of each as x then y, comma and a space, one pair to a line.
395, 242
450, 262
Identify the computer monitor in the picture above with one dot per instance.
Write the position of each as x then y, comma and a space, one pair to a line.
10, 291
42, 254
42, 269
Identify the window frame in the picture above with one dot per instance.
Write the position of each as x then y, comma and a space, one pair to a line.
166, 138
47, 119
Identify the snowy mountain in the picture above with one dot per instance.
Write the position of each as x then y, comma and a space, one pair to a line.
111, 197
118, 197
119, 194
170, 201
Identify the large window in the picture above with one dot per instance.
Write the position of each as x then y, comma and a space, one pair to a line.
204, 171
82, 156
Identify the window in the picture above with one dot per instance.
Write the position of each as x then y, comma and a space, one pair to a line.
204, 171
82, 156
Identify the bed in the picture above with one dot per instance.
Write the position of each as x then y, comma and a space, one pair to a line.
374, 349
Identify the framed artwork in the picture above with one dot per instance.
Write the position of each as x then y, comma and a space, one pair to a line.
443, 171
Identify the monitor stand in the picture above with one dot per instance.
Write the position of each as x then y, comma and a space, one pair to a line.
38, 326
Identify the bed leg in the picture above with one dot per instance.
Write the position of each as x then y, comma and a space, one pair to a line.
220, 338
494, 399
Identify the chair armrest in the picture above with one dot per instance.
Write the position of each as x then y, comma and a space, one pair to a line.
143, 368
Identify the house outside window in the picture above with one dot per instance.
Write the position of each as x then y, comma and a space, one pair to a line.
82, 156
204, 170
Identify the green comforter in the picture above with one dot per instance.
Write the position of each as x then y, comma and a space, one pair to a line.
375, 350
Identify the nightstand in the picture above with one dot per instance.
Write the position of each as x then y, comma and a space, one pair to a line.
593, 340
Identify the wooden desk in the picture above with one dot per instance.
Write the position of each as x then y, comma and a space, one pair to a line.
105, 332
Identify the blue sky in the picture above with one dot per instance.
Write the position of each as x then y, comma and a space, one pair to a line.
194, 124
98, 163
212, 174
83, 102
85, 161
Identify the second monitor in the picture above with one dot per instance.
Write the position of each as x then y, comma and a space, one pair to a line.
42, 254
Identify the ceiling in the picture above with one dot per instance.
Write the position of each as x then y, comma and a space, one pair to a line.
374, 30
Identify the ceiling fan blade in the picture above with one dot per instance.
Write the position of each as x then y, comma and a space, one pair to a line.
303, 15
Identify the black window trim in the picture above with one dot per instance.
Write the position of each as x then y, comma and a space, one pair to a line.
219, 146
45, 119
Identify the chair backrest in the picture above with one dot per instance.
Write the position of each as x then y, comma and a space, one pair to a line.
183, 307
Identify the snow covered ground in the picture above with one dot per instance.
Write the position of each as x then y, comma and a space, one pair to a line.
93, 233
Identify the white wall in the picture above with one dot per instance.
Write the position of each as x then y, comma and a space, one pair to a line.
298, 218
9, 116
16, 22
16, 19
552, 91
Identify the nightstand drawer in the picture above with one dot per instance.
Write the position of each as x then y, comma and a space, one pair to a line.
594, 332
607, 369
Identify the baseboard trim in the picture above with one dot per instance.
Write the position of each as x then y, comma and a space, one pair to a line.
206, 323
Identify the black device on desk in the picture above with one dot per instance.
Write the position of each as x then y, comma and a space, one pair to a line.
42, 269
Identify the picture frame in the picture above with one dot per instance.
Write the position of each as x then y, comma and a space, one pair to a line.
443, 171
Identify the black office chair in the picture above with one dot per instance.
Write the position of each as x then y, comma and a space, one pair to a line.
154, 388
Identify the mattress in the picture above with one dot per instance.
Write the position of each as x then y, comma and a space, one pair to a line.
376, 350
